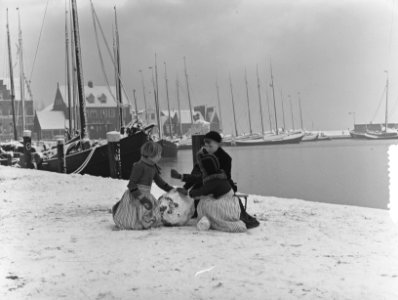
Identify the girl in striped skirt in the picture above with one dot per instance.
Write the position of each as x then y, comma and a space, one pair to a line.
218, 203
138, 208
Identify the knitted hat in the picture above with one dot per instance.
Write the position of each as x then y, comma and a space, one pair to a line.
208, 163
213, 135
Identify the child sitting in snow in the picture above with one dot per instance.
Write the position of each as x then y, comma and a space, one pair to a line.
138, 208
220, 207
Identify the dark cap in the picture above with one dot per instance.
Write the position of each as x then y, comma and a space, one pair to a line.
214, 136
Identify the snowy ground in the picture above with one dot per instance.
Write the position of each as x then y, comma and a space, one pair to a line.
57, 242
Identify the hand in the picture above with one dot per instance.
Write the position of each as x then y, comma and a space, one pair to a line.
146, 202
182, 191
174, 174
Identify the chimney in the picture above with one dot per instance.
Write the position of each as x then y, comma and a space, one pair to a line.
90, 84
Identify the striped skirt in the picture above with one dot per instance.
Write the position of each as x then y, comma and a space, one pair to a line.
129, 213
223, 213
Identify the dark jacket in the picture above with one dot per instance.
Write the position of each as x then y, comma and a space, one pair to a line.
144, 172
216, 185
195, 178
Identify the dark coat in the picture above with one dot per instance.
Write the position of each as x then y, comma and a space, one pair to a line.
195, 178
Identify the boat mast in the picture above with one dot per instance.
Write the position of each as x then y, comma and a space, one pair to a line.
157, 97
233, 105
259, 100
75, 112
188, 92
156, 103
283, 112
12, 94
273, 95
118, 72
68, 72
135, 106
248, 104
144, 93
301, 112
79, 71
21, 70
386, 117
219, 105
291, 110
179, 104
168, 100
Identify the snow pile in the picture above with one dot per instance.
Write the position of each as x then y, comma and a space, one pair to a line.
57, 241
176, 209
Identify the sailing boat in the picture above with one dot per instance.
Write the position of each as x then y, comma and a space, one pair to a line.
81, 156
384, 133
272, 139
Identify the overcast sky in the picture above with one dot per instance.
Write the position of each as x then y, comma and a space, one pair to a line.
333, 52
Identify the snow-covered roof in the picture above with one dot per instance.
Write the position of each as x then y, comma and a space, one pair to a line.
96, 96
6, 82
51, 119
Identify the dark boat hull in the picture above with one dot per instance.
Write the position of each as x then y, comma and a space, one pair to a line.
98, 164
169, 149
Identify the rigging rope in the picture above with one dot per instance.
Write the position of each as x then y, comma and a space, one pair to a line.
109, 51
85, 163
378, 106
101, 58
38, 42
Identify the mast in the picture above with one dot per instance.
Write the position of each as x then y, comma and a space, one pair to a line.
248, 104
283, 112
301, 112
386, 117
291, 110
273, 95
21, 70
179, 104
233, 105
259, 101
11, 80
118, 72
168, 100
135, 106
219, 104
79, 71
144, 93
156, 103
157, 98
75, 111
68, 72
188, 92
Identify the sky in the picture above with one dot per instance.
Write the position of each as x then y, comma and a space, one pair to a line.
333, 53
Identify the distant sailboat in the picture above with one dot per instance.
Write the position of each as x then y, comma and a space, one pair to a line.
384, 133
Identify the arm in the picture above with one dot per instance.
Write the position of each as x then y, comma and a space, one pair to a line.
204, 190
227, 170
192, 179
161, 183
135, 176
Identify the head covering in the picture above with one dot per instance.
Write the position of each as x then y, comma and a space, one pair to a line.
214, 136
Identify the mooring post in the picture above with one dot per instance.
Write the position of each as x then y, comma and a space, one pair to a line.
27, 149
113, 138
61, 155
198, 131
10, 156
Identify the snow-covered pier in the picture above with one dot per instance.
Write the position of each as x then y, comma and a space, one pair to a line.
57, 242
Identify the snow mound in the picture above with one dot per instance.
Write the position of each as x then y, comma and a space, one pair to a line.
176, 209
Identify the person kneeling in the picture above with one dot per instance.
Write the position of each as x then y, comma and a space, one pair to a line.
218, 203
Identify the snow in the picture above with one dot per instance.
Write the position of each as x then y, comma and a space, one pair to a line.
57, 241
51, 119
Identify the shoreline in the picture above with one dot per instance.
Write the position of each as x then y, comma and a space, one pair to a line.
57, 241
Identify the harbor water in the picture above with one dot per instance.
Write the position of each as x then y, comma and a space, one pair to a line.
351, 172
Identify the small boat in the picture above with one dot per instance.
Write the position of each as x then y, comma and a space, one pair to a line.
357, 135
169, 148
277, 139
310, 137
386, 134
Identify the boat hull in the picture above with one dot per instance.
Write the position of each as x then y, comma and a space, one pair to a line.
357, 135
292, 139
169, 149
381, 136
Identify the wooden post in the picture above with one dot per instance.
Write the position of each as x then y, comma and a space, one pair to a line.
9, 159
27, 152
113, 138
197, 143
61, 156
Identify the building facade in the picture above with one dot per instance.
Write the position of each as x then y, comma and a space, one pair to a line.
101, 110
6, 120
